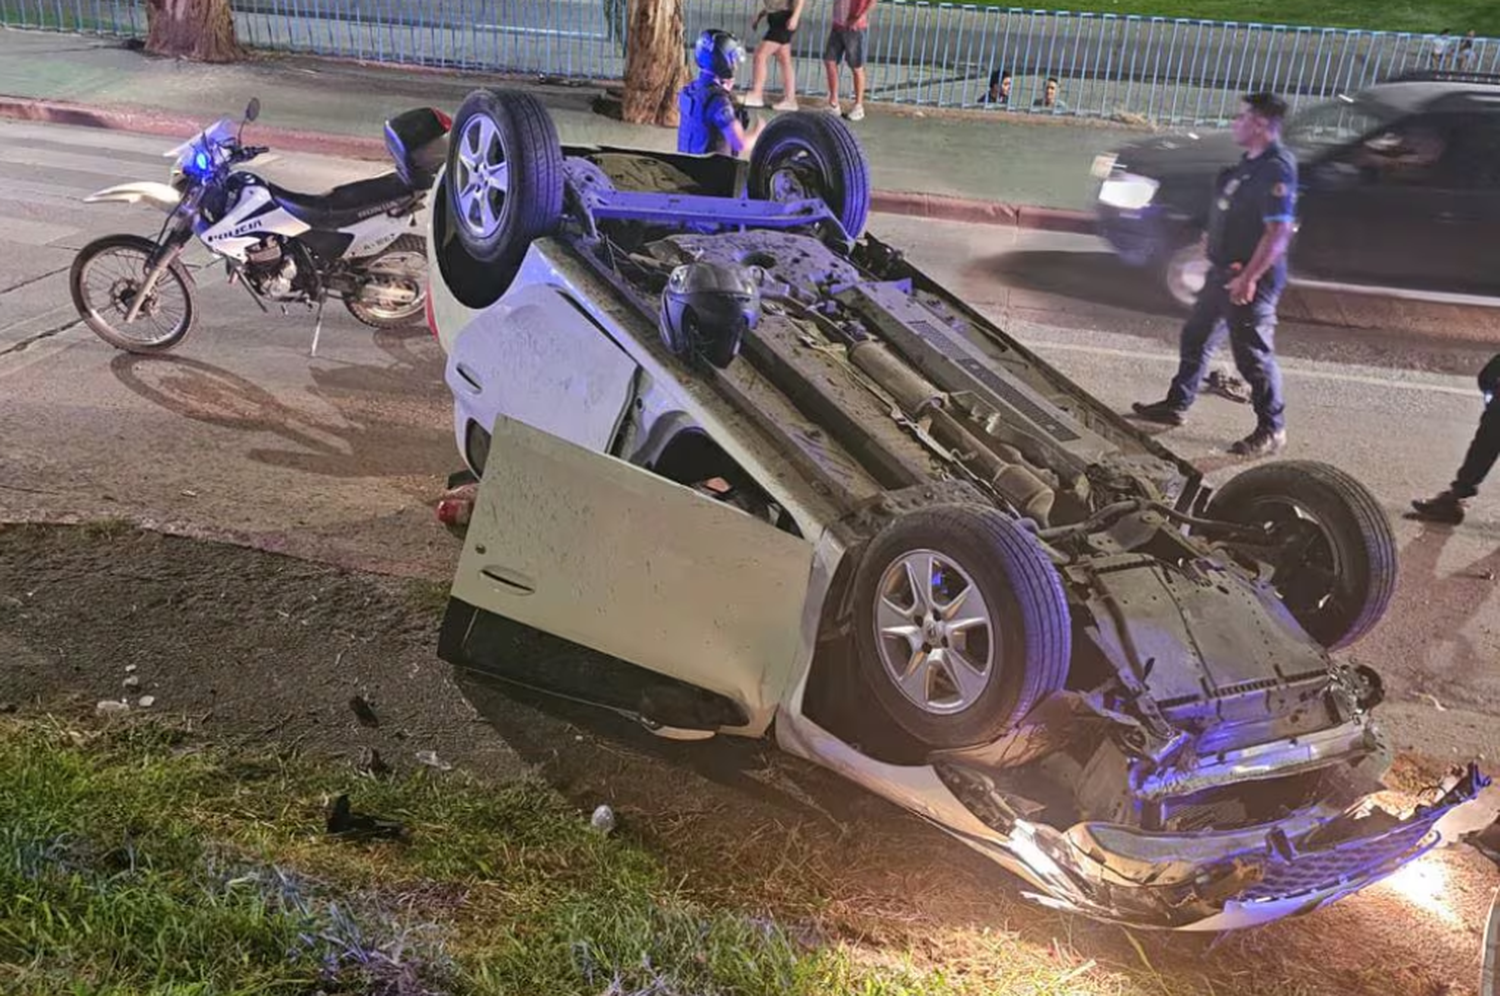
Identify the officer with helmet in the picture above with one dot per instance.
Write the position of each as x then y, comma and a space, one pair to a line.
709, 122
1448, 506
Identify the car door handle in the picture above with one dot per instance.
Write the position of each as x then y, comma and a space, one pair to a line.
513, 582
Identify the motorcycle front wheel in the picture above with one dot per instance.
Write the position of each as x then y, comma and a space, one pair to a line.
393, 294
106, 279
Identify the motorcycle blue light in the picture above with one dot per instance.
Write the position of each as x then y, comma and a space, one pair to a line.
201, 161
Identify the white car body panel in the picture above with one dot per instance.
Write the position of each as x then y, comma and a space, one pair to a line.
670, 579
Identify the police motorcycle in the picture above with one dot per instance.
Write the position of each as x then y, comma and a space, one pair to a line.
358, 242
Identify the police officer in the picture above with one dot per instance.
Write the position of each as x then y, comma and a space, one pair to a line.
1249, 229
1448, 506
709, 122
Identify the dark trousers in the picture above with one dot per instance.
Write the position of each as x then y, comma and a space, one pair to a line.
1252, 337
1482, 454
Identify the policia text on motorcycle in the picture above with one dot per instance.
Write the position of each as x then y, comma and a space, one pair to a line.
709, 122
1249, 229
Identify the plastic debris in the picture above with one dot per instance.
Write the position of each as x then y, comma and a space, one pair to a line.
430, 758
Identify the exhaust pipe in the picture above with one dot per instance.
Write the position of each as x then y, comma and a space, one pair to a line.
919, 398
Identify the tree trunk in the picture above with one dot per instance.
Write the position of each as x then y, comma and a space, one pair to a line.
202, 30
655, 65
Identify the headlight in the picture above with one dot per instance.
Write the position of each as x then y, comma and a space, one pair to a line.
1127, 191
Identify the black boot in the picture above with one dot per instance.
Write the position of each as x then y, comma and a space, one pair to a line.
1163, 412
1446, 508
1261, 442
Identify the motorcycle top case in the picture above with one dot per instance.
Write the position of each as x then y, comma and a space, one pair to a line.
418, 143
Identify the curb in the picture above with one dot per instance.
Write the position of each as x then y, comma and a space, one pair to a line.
151, 121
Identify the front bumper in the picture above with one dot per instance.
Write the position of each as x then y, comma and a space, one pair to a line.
1209, 881
1138, 236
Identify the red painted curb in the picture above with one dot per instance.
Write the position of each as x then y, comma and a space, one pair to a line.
150, 121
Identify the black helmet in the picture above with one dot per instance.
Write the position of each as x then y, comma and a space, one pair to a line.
719, 52
708, 307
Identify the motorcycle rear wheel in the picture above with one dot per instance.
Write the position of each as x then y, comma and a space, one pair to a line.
404, 261
106, 276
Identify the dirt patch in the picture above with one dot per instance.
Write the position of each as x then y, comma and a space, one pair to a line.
241, 642
253, 644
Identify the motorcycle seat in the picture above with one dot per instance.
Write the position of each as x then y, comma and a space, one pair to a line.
345, 205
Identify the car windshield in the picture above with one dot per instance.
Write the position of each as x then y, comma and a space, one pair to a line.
1329, 126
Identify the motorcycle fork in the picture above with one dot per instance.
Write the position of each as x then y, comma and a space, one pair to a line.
165, 257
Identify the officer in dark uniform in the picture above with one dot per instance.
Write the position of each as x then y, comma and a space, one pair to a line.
1484, 450
709, 121
1249, 228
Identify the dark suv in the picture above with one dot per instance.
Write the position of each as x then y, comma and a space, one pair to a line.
1400, 192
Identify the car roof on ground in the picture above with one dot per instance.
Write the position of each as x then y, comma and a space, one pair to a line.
1437, 91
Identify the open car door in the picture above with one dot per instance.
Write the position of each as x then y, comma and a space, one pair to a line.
669, 605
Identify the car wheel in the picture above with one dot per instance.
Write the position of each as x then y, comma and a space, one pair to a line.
1184, 271
503, 187
807, 154
961, 624
1328, 542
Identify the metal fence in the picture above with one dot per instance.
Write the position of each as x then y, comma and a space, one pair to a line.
1163, 70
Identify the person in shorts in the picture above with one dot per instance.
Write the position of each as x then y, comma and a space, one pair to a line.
782, 18
846, 42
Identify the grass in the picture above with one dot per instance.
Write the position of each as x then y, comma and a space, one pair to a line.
1458, 16
133, 860
107, 528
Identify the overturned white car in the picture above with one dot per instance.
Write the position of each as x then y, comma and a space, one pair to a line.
764, 477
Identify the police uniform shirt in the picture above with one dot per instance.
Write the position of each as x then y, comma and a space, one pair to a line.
1248, 196
706, 115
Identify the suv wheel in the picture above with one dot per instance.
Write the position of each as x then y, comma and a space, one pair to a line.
961, 624
1184, 271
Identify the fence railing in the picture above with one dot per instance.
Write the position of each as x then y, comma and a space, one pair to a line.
1164, 70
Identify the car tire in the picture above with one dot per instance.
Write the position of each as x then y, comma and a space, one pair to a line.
1182, 273
492, 217
1339, 581
805, 154
1011, 617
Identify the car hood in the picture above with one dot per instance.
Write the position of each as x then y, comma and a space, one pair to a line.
1173, 154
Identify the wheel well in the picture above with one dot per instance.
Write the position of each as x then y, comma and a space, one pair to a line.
476, 447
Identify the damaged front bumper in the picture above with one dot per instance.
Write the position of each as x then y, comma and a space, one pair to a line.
1202, 881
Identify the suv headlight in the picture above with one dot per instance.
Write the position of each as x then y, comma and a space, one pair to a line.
1127, 191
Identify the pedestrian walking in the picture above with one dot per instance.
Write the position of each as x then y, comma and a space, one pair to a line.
708, 121
782, 18
1449, 506
846, 42
1249, 229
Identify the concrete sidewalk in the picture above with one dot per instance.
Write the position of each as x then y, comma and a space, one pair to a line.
963, 166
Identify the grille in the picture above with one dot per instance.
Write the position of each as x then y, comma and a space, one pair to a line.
1337, 866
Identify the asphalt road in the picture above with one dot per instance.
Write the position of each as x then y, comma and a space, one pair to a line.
235, 434
240, 435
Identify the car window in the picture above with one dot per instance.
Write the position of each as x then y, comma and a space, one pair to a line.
1474, 154
1330, 126
1415, 153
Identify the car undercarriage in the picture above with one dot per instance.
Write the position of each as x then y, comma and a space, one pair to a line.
1025, 621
